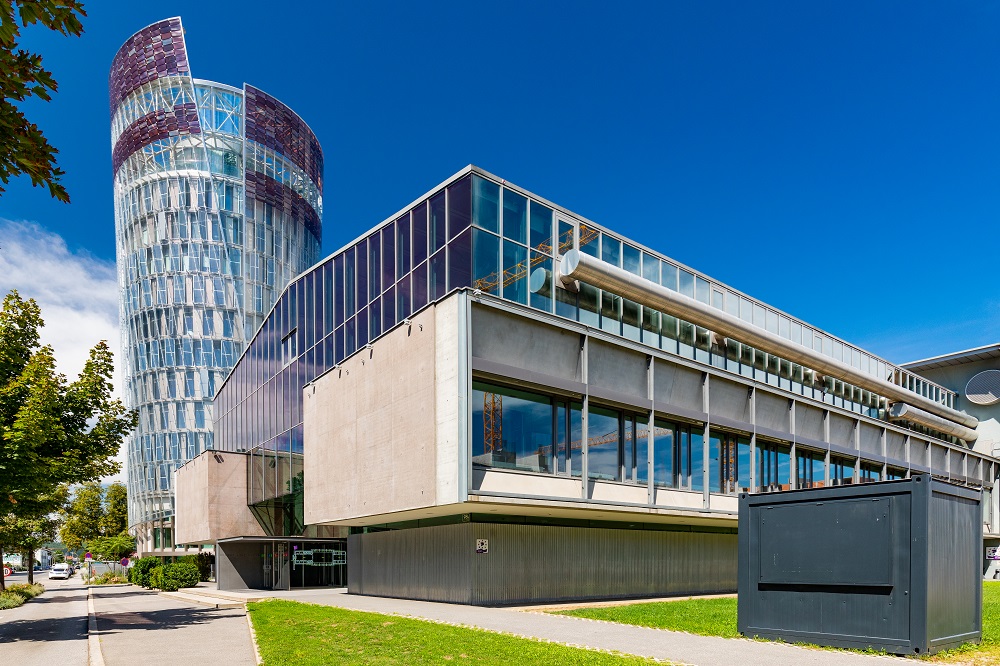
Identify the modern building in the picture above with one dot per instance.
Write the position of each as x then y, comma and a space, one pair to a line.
974, 376
218, 204
500, 401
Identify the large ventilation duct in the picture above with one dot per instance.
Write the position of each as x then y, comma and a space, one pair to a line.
901, 411
578, 266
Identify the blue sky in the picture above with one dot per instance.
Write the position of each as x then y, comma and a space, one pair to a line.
840, 161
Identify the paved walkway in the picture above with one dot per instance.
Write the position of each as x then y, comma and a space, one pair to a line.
672, 646
138, 626
48, 630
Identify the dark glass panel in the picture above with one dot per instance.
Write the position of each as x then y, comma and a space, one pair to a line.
403, 298
362, 327
603, 444
515, 272
375, 318
349, 269
374, 265
565, 237
403, 246
631, 258
436, 224
588, 298
437, 283
459, 206
515, 216
486, 261
388, 257
362, 273
641, 449
541, 298
663, 453
630, 319
418, 220
328, 298
486, 204
590, 241
460, 260
565, 303
541, 227
611, 250
419, 286
650, 268
389, 309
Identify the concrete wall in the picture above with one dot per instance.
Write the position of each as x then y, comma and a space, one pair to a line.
381, 432
212, 499
538, 563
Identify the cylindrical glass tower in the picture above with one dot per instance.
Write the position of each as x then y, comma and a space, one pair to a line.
218, 204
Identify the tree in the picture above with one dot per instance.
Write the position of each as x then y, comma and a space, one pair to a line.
27, 535
24, 150
115, 520
83, 516
52, 432
112, 547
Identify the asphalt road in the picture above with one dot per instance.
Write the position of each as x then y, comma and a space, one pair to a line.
50, 629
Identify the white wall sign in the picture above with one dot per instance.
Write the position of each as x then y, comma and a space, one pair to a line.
482, 546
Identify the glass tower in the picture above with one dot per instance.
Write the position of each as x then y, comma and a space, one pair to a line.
218, 204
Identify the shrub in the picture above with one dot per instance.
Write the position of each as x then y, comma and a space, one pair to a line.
139, 573
108, 578
171, 577
203, 561
10, 600
25, 591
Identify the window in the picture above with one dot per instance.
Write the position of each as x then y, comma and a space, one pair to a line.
603, 442
810, 469
485, 204
773, 467
289, 347
511, 428
729, 463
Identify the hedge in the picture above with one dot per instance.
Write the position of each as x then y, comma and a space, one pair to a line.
171, 577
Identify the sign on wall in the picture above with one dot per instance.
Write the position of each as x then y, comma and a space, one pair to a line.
320, 557
993, 553
482, 546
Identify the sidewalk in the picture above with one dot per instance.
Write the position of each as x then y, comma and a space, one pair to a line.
672, 646
139, 626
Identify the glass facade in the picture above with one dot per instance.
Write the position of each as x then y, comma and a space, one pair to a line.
213, 217
479, 232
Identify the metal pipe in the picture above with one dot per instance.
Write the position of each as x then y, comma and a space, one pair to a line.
575, 265
901, 411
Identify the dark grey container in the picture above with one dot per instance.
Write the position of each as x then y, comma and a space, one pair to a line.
894, 566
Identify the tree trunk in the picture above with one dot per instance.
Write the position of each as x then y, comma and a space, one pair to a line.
30, 556
3, 583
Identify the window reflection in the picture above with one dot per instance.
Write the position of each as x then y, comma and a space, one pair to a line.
511, 428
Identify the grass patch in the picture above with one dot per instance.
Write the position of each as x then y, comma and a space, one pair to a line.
708, 617
289, 632
16, 595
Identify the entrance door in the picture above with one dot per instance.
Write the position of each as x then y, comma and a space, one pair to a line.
279, 566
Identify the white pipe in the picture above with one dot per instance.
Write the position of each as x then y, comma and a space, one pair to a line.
575, 265
901, 411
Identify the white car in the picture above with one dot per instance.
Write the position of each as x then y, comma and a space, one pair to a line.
60, 571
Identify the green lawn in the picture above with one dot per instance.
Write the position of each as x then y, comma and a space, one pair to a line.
717, 617
294, 633
708, 617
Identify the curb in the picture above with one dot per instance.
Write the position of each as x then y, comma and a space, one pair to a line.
253, 637
94, 654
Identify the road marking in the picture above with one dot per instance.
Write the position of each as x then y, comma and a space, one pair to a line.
93, 638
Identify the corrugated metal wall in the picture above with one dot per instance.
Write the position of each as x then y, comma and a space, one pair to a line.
538, 563
954, 592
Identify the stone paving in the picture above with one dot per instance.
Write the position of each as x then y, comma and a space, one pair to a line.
673, 646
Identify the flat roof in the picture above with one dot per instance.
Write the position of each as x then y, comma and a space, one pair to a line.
983, 353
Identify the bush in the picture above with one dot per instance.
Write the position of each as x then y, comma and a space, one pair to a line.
108, 578
139, 573
10, 600
171, 577
25, 591
204, 563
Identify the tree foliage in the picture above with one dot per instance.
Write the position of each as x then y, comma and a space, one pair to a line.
83, 516
112, 547
115, 519
24, 150
52, 431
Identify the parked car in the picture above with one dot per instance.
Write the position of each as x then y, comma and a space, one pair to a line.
63, 571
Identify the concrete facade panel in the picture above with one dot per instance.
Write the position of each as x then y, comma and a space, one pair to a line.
773, 411
620, 370
677, 385
370, 428
870, 439
729, 399
211, 501
809, 422
525, 344
497, 481
841, 431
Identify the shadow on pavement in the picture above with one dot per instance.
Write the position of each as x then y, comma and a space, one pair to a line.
69, 628
173, 618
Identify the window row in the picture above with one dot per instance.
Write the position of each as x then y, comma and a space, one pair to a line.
523, 430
